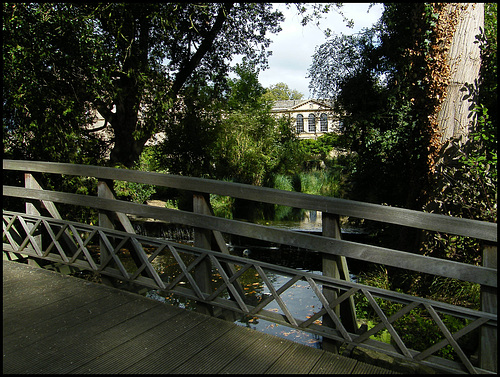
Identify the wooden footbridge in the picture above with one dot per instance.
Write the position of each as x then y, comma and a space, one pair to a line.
59, 324
55, 323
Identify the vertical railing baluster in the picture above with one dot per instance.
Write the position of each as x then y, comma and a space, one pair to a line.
203, 239
336, 267
30, 182
103, 191
488, 357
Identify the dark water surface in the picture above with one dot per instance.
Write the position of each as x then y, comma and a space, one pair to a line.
299, 298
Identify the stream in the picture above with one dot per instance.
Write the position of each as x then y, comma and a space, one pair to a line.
299, 298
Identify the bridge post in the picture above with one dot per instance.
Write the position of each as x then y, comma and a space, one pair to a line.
488, 357
31, 209
219, 244
103, 191
336, 267
203, 239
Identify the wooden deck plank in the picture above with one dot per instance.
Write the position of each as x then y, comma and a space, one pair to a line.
38, 294
285, 364
46, 352
48, 342
56, 328
100, 353
173, 354
142, 346
258, 357
330, 363
81, 327
363, 368
213, 359
35, 315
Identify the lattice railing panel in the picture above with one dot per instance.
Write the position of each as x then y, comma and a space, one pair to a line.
70, 243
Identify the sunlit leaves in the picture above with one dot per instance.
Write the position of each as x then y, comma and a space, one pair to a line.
281, 91
62, 60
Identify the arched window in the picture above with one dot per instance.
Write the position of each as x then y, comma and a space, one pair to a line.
323, 123
312, 123
340, 126
300, 123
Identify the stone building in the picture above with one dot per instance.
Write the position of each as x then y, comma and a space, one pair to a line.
311, 118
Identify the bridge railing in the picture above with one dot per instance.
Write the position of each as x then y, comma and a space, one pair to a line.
70, 243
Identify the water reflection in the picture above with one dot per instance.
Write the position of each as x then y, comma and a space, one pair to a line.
299, 298
301, 302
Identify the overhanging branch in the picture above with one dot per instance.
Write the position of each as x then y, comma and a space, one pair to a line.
190, 65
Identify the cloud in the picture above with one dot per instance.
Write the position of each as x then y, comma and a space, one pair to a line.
294, 46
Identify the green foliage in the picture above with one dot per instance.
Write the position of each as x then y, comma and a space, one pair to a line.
130, 60
321, 147
138, 192
319, 182
456, 292
380, 80
245, 147
222, 205
188, 147
417, 329
466, 187
280, 92
487, 40
250, 144
43, 108
336, 61
282, 182
245, 91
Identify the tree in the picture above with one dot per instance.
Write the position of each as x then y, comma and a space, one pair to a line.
467, 177
392, 97
251, 144
188, 145
132, 61
454, 65
341, 57
390, 82
281, 91
46, 89
246, 91
488, 94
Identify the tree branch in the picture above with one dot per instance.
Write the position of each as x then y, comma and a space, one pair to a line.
103, 109
190, 65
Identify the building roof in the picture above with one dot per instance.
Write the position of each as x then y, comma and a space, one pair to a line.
284, 105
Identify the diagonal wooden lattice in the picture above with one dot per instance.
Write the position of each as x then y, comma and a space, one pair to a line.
10, 231
69, 247
228, 284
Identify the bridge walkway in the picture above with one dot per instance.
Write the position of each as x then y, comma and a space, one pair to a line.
55, 323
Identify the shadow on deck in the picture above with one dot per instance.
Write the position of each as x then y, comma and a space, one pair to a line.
60, 324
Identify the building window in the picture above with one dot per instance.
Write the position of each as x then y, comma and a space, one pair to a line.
323, 123
300, 123
312, 123
341, 126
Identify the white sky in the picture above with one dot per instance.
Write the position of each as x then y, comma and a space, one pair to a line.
294, 46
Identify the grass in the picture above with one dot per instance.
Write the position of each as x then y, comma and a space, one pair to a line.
417, 329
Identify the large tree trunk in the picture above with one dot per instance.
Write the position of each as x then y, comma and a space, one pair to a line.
453, 61
464, 62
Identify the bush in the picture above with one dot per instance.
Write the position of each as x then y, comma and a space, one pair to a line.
417, 329
138, 192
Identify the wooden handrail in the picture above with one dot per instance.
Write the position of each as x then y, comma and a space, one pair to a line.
369, 253
428, 221
328, 244
16, 223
